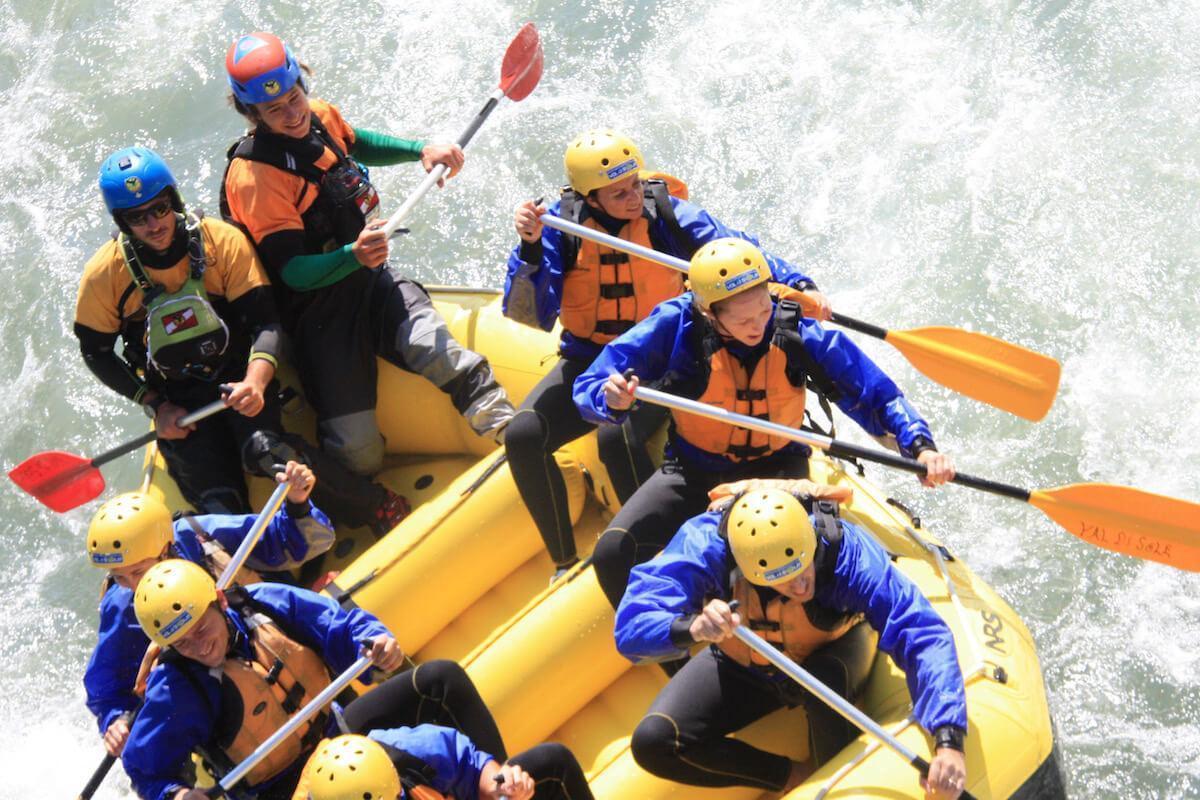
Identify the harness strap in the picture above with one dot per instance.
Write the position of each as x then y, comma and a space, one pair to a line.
616, 291
801, 366
613, 326
612, 259
679, 242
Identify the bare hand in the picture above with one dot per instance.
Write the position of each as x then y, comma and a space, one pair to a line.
115, 736
819, 307
527, 218
720, 496
618, 392
517, 783
166, 422
715, 623
939, 468
947, 775
451, 155
386, 653
246, 396
371, 246
300, 479
190, 794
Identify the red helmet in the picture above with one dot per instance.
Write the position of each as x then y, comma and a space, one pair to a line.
261, 68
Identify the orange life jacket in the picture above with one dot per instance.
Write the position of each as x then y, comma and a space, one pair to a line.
264, 692
798, 629
606, 292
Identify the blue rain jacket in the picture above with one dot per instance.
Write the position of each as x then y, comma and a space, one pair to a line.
547, 274
113, 666
696, 565
661, 352
176, 719
454, 759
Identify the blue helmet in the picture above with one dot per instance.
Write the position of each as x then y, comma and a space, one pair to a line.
261, 68
133, 176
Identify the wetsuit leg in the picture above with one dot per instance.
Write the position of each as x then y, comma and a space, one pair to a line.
206, 464
555, 771
436, 692
332, 344
408, 331
684, 735
645, 524
546, 421
843, 666
623, 448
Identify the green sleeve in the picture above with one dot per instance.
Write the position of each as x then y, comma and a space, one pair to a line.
306, 273
379, 149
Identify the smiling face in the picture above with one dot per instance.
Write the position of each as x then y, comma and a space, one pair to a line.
208, 640
620, 200
152, 223
290, 115
744, 316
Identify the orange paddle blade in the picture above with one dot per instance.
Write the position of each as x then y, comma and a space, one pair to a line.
990, 370
1127, 520
522, 66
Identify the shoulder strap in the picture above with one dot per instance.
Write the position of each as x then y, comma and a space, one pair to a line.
571, 206
801, 366
658, 195
829, 538
268, 149
197, 262
136, 270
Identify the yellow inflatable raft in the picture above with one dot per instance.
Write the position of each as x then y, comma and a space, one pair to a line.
465, 577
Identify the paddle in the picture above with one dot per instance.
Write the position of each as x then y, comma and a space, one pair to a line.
835, 701
235, 563
62, 481
519, 74
984, 368
1118, 518
232, 778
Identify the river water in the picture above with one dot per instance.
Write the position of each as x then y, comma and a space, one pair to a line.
1031, 170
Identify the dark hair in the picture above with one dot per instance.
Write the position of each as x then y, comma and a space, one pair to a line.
248, 111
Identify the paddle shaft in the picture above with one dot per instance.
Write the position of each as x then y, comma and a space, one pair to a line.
832, 699
256, 531
831, 446
625, 246
303, 715
133, 444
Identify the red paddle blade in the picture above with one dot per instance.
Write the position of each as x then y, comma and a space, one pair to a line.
522, 67
61, 481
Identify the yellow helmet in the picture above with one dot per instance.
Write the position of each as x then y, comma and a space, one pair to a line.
171, 598
599, 158
770, 535
724, 267
351, 767
127, 529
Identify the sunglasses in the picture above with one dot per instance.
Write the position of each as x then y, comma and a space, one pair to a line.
139, 217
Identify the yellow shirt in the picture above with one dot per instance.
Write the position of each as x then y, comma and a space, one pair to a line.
232, 270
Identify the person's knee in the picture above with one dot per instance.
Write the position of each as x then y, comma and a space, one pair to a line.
526, 433
442, 676
654, 743
355, 441
264, 450
222, 500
